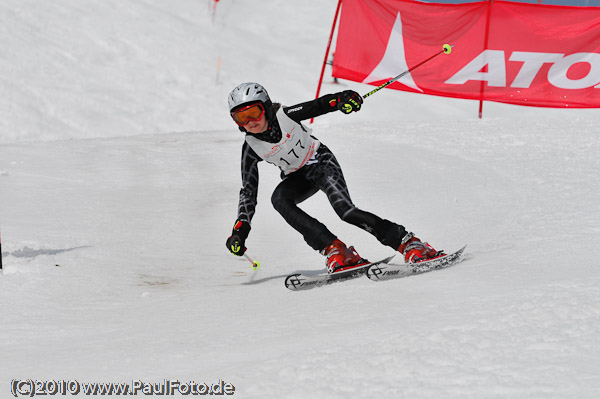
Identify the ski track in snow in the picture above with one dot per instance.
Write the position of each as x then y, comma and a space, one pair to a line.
113, 221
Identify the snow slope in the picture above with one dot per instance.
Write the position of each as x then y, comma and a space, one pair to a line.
119, 174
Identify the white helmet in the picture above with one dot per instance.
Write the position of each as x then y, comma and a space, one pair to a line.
247, 93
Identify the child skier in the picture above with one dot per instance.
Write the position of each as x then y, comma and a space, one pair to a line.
274, 134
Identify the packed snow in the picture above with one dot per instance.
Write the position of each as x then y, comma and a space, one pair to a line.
119, 180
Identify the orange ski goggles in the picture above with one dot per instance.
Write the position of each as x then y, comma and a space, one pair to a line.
252, 112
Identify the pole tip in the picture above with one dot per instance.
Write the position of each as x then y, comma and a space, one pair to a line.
447, 48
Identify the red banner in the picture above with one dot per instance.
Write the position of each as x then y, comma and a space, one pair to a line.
526, 54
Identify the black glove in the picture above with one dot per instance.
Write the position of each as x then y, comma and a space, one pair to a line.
235, 243
349, 101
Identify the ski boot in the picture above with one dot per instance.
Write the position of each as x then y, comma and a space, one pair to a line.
340, 258
415, 251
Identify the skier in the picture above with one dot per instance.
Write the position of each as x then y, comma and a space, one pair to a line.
274, 134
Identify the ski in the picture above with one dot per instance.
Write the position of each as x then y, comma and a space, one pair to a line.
379, 272
300, 282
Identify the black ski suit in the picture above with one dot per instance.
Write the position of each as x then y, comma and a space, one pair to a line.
323, 173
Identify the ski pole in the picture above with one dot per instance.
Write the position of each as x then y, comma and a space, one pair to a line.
255, 265
446, 49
